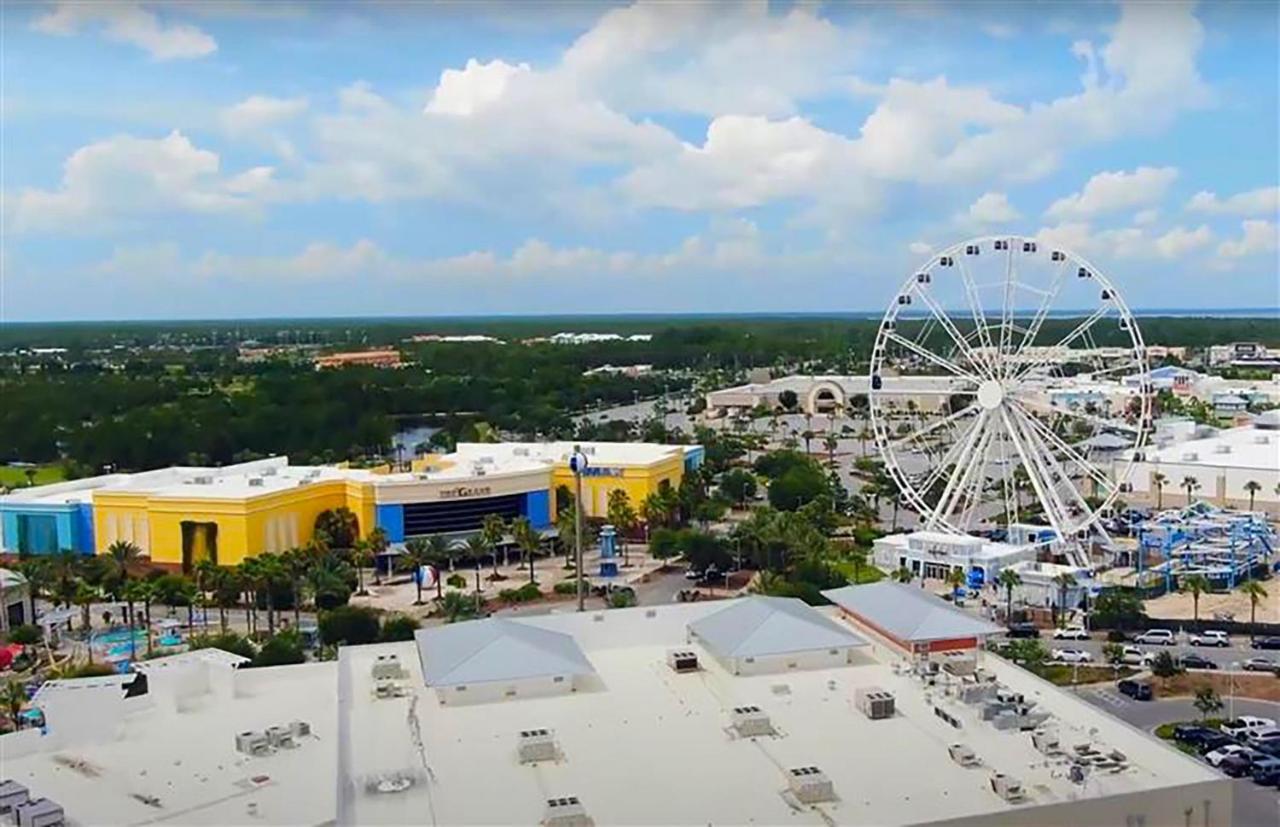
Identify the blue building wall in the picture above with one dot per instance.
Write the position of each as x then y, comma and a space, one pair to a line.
84, 529
693, 457
390, 518
68, 533
537, 508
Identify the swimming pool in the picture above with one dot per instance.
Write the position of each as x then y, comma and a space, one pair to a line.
115, 644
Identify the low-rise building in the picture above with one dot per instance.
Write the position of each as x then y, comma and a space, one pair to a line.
826, 394
369, 358
935, 554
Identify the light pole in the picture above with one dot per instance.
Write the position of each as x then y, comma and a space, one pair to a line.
578, 464
1231, 691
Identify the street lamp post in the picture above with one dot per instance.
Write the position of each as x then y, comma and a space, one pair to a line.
1231, 691
578, 464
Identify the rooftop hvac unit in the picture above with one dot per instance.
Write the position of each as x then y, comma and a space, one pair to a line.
280, 737
255, 482
874, 702
1222, 449
11, 795
520, 452
40, 812
682, 660
252, 743
301, 729
268, 472
959, 663
750, 721
387, 666
203, 479
1046, 742
810, 785
963, 755
1007, 787
566, 812
1191, 456
1262, 439
536, 745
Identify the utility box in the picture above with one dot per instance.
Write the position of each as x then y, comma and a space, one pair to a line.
280, 737
751, 721
387, 667
252, 743
40, 812
536, 745
1046, 741
1007, 787
810, 785
874, 702
959, 663
682, 660
566, 812
963, 755
301, 729
12, 794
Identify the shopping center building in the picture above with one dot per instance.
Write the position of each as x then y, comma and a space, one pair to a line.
181, 515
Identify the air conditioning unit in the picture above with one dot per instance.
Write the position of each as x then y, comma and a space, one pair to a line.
750, 721
682, 660
810, 785
963, 755
12, 794
1046, 742
280, 737
874, 702
40, 812
520, 452
255, 482
1007, 787
387, 666
203, 479
252, 743
566, 812
1191, 456
301, 729
1222, 449
1262, 439
959, 663
536, 745
268, 472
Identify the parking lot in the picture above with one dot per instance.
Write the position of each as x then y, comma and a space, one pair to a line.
1254, 806
1232, 657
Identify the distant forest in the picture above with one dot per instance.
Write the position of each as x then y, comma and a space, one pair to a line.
141, 395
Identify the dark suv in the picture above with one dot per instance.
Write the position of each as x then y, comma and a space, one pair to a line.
1138, 690
1023, 630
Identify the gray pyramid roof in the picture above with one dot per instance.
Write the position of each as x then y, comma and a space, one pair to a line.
908, 612
496, 649
757, 626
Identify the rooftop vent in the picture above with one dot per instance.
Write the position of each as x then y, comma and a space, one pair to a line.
750, 721
387, 666
536, 745
874, 702
40, 812
1046, 741
255, 482
313, 473
520, 452
12, 794
1191, 456
268, 472
963, 755
1262, 439
1007, 787
1222, 449
566, 812
203, 479
682, 660
252, 743
301, 729
810, 785
280, 737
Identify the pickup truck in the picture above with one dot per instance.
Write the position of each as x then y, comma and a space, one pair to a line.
1245, 724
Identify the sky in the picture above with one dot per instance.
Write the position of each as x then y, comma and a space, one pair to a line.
236, 159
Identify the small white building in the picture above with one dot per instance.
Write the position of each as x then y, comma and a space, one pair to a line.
1040, 588
760, 635
16, 606
934, 554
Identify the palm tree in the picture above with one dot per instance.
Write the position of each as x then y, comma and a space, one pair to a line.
1253, 487
379, 542
1009, 579
956, 579
1255, 592
1194, 585
439, 552
84, 597
246, 577
492, 530
1191, 484
146, 594
226, 591
858, 557
528, 539
296, 563
831, 443
1065, 583
270, 572
361, 556
206, 572
807, 436
456, 607
132, 592
417, 554
903, 575
124, 554
623, 517
1158, 480
864, 435
14, 697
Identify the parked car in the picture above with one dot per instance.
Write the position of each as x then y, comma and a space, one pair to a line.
1272, 642
1242, 726
1266, 772
1261, 665
1071, 633
1235, 766
1022, 630
1194, 734
1194, 661
1133, 656
1271, 749
1071, 656
1223, 752
693, 574
1138, 690
1157, 637
1266, 735
1211, 743
1211, 637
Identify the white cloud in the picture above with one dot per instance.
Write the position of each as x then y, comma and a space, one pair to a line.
1125, 242
129, 23
258, 111
125, 177
1111, 191
1265, 200
1180, 241
1258, 237
474, 88
920, 248
992, 208
1144, 218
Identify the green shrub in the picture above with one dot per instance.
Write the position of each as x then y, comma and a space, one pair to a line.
84, 670
25, 635
229, 642
622, 599
349, 625
1164, 666
1116, 636
281, 650
566, 587
398, 627
456, 581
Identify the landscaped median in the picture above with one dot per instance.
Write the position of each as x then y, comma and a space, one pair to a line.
1031, 655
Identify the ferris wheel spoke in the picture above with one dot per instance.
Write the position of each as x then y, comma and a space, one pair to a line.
1066, 482
1064, 343
1010, 494
973, 492
961, 467
1042, 312
961, 341
1114, 424
1048, 434
1033, 474
1051, 467
945, 364
1010, 279
903, 441
975, 307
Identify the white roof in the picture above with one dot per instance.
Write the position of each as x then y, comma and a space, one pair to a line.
558, 453
760, 626
909, 613
496, 649
212, 656
1246, 447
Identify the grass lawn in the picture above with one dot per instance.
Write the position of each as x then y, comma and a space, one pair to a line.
1060, 674
1165, 732
16, 477
866, 574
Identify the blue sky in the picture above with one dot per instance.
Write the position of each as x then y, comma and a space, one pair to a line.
225, 159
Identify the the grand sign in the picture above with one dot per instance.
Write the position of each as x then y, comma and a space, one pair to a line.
593, 471
463, 491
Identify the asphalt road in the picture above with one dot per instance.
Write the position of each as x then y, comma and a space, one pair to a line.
1254, 806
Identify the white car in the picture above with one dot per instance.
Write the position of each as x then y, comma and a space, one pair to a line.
1245, 724
1157, 637
1133, 656
1220, 754
1265, 735
1071, 633
1072, 656
1210, 638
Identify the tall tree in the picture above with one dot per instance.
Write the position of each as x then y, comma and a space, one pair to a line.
527, 539
417, 554
1255, 592
623, 517
440, 552
1253, 487
1158, 480
1009, 579
1194, 585
1190, 485
493, 530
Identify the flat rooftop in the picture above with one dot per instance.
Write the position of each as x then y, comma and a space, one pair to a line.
558, 453
637, 749
1249, 447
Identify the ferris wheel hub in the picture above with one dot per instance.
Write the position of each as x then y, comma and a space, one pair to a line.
990, 394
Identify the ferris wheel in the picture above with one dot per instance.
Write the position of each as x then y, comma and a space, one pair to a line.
1009, 383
